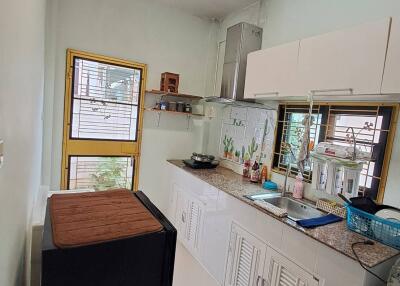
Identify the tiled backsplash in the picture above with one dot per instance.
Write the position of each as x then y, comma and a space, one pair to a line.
247, 132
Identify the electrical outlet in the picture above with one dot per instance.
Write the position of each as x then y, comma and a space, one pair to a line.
1, 153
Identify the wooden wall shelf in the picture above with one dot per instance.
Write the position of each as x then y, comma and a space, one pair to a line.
173, 112
182, 95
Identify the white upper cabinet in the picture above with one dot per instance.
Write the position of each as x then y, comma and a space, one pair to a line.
272, 72
391, 76
344, 62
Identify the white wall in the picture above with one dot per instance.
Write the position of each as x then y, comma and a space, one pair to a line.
21, 100
252, 14
164, 38
288, 20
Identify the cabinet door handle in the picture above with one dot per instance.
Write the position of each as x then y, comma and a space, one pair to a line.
183, 217
338, 90
265, 282
258, 280
267, 93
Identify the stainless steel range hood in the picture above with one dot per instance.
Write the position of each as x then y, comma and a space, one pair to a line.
241, 39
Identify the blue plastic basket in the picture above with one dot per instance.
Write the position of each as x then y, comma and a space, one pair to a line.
371, 226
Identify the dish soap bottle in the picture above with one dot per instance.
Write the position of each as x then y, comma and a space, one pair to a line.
298, 189
264, 174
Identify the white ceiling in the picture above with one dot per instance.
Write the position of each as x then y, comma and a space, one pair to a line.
208, 8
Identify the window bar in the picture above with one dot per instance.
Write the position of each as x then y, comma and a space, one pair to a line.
282, 136
372, 146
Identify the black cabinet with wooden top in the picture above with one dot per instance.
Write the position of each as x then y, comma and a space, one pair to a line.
143, 260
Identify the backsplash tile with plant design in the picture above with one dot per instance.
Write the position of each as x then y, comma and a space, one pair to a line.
247, 133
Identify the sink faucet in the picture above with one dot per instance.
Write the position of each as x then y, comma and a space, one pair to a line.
286, 178
289, 150
354, 157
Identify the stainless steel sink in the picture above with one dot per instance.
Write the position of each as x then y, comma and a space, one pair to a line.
295, 209
263, 196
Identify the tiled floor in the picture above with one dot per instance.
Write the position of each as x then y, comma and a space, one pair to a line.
188, 272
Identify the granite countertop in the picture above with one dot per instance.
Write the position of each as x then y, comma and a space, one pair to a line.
237, 186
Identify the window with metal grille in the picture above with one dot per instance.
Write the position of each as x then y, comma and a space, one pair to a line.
103, 117
100, 173
105, 101
331, 122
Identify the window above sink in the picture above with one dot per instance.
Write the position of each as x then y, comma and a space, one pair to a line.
331, 122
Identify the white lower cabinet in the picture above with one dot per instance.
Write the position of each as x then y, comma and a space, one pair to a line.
213, 238
194, 223
188, 219
279, 270
245, 259
240, 246
192, 210
192, 220
251, 262
180, 211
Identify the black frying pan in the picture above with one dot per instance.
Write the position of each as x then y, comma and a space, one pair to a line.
365, 204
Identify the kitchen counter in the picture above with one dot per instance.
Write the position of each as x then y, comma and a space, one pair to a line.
335, 235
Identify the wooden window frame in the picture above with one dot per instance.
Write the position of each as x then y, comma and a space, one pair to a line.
99, 147
389, 145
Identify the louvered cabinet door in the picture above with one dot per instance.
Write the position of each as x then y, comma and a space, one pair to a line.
245, 259
194, 223
181, 216
280, 271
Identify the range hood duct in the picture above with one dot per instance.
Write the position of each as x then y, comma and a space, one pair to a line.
241, 39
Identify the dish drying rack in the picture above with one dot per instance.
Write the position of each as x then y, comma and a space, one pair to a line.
383, 230
331, 207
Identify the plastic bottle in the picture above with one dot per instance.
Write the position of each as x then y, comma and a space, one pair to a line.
246, 166
264, 174
246, 169
298, 189
255, 172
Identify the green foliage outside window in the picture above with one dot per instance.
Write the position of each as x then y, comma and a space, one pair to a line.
110, 173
